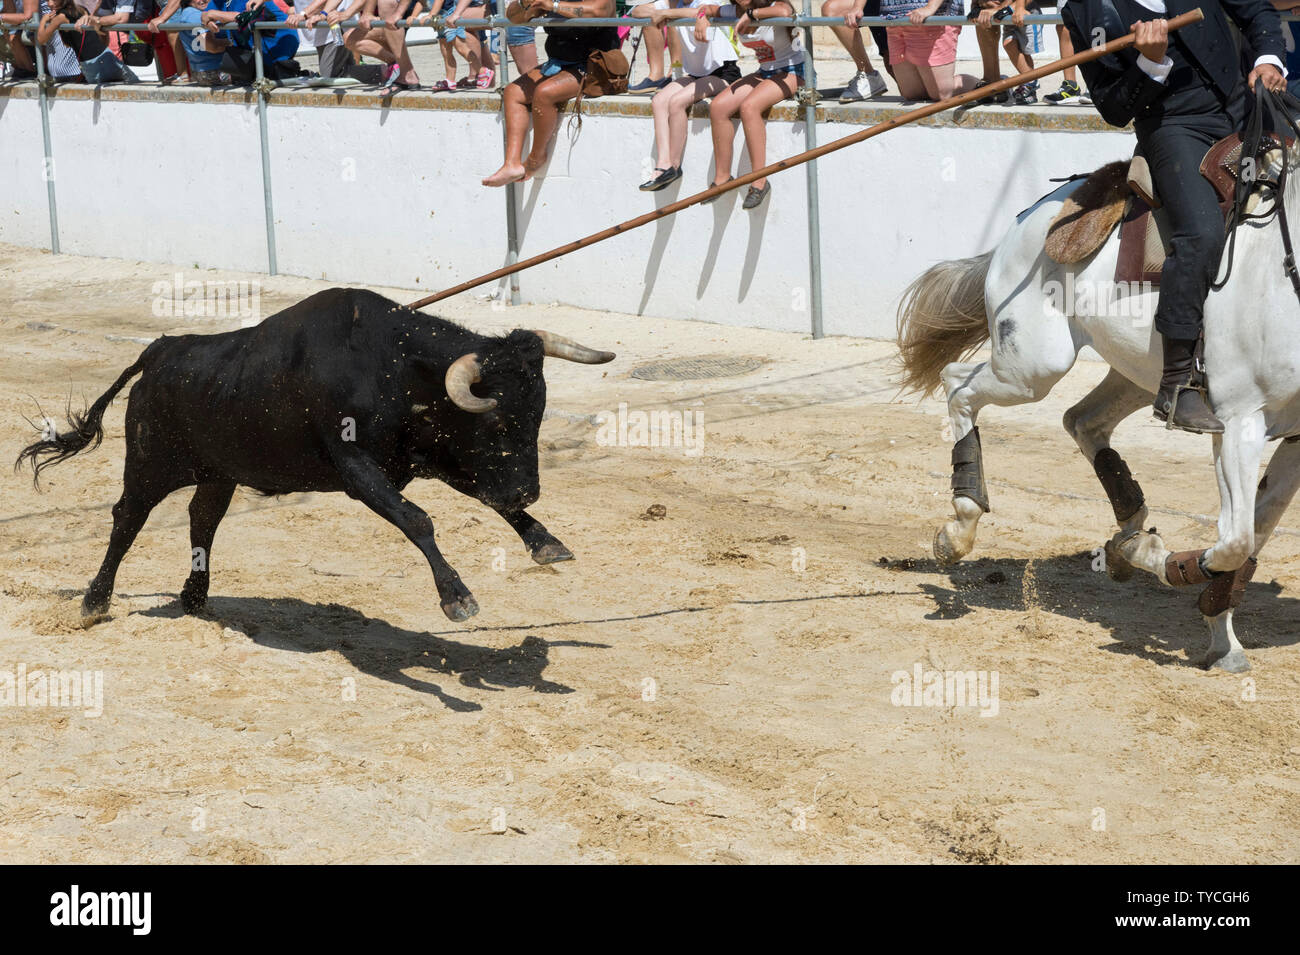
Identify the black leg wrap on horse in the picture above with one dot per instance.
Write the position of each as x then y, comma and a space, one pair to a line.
1116, 479
1227, 590
968, 470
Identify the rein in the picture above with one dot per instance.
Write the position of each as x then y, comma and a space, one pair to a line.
1280, 108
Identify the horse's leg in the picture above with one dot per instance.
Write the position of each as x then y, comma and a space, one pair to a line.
970, 386
1224, 594
1091, 423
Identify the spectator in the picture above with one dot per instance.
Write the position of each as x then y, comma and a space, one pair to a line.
15, 12
655, 39
202, 49
925, 57
386, 44
453, 39
1069, 89
1018, 40
780, 73
333, 58
548, 87
146, 11
867, 83
98, 63
278, 46
521, 40
709, 67
60, 62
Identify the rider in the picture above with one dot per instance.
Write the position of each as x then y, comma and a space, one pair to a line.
1183, 93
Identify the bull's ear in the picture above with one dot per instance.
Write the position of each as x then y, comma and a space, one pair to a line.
526, 345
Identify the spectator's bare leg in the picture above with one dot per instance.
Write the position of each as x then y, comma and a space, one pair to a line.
1023, 62
363, 41
468, 48
448, 60
515, 101
910, 84
525, 57
652, 38
988, 40
753, 117
722, 108
550, 94
674, 47
850, 39
395, 40
1071, 74
940, 82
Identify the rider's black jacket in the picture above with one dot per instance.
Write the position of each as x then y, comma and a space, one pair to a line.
1205, 54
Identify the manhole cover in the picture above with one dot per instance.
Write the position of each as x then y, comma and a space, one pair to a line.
704, 366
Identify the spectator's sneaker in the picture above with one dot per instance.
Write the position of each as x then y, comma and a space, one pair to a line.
647, 84
212, 78
1025, 95
1069, 91
665, 178
864, 86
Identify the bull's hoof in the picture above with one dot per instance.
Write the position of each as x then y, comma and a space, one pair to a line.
93, 611
193, 600
552, 553
1232, 662
1118, 568
460, 610
944, 551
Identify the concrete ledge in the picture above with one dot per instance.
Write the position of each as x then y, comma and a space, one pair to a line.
1057, 118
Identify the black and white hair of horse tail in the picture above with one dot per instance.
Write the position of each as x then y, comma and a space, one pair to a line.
941, 319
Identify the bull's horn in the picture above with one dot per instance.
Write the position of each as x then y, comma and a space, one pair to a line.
465, 371
557, 346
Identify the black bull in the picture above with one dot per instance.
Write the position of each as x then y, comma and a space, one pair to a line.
345, 391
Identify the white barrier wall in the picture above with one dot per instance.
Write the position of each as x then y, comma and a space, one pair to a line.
392, 197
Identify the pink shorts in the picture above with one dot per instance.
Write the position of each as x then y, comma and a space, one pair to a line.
923, 46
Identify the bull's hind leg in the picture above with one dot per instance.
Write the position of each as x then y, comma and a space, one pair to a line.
207, 508
1091, 423
364, 480
542, 545
129, 515
971, 386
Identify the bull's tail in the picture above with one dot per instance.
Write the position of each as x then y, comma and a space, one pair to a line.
86, 429
942, 318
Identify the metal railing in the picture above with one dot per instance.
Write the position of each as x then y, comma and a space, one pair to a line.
498, 24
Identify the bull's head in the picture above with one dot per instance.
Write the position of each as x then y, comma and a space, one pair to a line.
502, 386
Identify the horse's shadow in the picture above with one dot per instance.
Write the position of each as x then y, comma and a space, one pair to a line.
1144, 618
377, 648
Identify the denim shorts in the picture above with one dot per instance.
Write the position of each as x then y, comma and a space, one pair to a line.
515, 35
771, 73
106, 68
551, 67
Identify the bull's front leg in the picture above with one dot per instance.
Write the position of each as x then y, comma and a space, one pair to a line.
541, 544
364, 480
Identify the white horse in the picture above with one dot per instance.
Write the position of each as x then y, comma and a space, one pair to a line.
1020, 299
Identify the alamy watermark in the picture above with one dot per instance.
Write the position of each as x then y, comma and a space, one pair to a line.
1102, 298
658, 428
66, 689
946, 689
208, 300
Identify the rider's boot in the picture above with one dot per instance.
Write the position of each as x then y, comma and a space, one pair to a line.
1181, 402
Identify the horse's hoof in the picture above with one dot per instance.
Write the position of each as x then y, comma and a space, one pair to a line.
552, 553
1117, 568
192, 601
944, 552
460, 610
93, 612
1232, 662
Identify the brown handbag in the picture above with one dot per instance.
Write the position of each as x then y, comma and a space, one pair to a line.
607, 73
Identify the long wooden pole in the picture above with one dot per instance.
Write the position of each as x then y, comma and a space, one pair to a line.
1186, 19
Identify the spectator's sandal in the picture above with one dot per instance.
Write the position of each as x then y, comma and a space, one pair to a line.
466, 83
754, 197
485, 78
400, 87
705, 202
443, 86
662, 179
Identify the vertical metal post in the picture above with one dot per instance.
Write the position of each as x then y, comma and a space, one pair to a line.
512, 205
47, 170
814, 209
262, 97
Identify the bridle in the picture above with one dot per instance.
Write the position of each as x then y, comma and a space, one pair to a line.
1280, 109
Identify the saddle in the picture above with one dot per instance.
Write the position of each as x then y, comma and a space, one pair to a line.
1122, 194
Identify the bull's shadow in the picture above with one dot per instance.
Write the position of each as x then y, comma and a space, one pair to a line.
377, 648
1145, 619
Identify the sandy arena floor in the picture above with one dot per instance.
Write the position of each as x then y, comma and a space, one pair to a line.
768, 734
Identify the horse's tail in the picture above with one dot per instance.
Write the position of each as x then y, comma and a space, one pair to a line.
942, 318
86, 428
